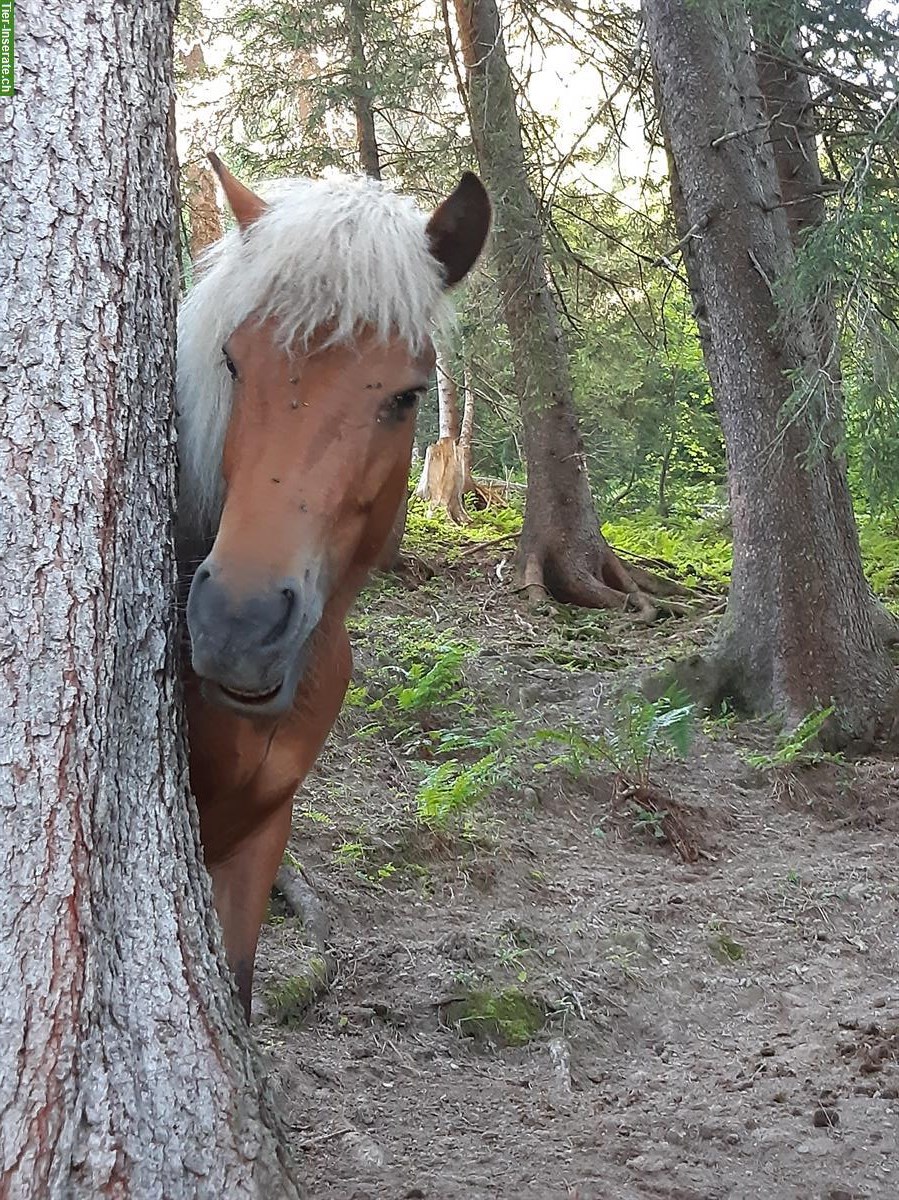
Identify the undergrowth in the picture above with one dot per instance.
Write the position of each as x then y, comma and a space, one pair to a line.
697, 550
639, 734
641, 731
416, 696
430, 531
797, 748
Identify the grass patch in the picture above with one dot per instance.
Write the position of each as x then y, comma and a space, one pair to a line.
290, 1000
504, 1018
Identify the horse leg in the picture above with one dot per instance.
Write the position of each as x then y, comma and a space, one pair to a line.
241, 885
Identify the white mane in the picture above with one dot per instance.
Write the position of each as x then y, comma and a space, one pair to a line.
347, 252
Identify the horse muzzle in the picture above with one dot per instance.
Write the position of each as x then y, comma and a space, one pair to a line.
249, 648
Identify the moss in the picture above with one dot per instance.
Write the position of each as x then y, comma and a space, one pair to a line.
289, 1000
726, 949
506, 1018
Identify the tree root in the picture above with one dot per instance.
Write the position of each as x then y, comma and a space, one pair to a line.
290, 999
653, 583
619, 584
649, 799
886, 626
543, 573
583, 589
304, 902
411, 569
703, 679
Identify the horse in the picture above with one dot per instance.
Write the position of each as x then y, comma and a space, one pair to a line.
303, 350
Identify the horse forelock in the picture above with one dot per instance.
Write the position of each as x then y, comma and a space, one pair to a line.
330, 254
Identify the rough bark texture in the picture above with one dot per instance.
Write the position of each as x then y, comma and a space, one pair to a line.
561, 550
799, 629
792, 134
125, 1069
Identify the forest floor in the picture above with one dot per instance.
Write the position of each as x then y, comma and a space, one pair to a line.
536, 995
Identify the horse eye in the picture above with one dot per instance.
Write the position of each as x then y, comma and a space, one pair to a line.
232, 370
403, 402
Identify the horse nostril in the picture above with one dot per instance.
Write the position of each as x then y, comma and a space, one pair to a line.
280, 628
203, 573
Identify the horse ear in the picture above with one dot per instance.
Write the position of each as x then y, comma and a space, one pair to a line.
458, 228
245, 205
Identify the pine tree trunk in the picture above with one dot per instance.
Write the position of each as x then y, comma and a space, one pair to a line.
204, 215
125, 1069
799, 628
366, 136
561, 550
790, 110
356, 12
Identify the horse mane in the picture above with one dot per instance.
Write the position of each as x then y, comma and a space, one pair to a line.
342, 253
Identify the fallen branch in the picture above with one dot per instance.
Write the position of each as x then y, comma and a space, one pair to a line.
504, 537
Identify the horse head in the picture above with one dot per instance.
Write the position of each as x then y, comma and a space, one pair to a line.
305, 349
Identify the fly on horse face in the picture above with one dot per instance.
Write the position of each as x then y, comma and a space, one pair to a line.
303, 350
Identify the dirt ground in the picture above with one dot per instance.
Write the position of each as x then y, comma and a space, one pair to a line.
723, 1028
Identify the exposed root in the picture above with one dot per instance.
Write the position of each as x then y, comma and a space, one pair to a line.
486, 544
702, 678
543, 574
886, 626
648, 800
304, 902
654, 584
718, 676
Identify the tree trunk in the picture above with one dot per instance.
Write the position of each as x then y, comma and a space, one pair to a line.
366, 137
204, 215
447, 399
792, 134
356, 12
442, 480
561, 550
664, 509
466, 432
125, 1066
799, 630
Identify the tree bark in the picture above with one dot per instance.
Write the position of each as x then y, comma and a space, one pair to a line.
466, 431
449, 425
799, 631
793, 138
561, 550
125, 1066
370, 162
204, 215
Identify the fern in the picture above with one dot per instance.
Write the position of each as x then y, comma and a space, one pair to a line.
439, 684
795, 749
450, 788
640, 730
